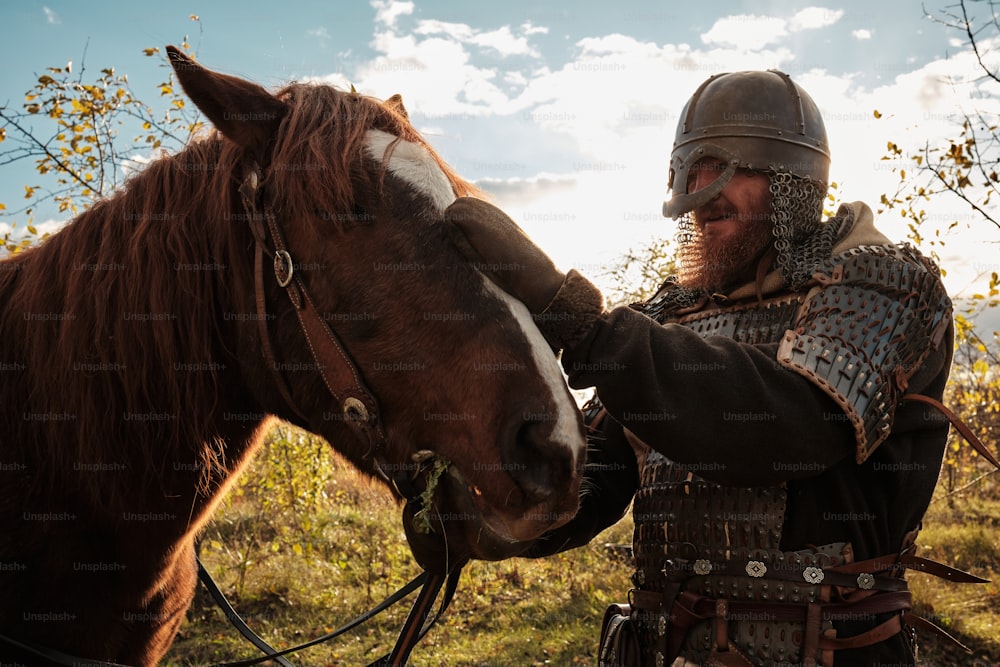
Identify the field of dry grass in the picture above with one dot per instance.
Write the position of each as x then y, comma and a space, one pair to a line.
295, 575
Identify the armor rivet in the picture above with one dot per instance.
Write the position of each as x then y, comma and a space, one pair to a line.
755, 568
865, 580
813, 575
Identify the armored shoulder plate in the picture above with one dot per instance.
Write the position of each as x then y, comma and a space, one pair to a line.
865, 329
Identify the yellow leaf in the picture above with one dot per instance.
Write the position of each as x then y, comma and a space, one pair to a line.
166, 90
876, 113
32, 230
194, 17
3, 133
151, 51
29, 192
3, 207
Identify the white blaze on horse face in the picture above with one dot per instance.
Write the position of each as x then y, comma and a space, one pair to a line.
566, 430
412, 163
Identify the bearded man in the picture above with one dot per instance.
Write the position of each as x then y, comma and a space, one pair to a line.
766, 410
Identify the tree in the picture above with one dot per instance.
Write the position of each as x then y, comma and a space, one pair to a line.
966, 168
75, 131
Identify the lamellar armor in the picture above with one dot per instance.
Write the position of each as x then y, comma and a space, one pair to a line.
711, 577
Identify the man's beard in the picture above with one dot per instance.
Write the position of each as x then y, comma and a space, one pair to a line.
718, 265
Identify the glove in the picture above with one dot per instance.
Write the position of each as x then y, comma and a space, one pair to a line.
565, 307
610, 480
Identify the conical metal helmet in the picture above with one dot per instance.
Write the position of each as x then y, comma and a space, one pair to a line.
748, 120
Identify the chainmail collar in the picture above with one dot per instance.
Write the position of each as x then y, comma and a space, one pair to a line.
802, 240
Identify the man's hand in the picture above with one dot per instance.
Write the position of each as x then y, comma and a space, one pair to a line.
505, 253
565, 306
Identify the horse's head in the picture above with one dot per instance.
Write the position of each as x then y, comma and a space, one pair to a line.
456, 365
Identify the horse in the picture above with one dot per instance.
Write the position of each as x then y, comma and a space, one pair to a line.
147, 348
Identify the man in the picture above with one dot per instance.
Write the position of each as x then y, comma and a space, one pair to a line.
784, 463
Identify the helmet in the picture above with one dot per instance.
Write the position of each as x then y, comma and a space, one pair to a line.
748, 120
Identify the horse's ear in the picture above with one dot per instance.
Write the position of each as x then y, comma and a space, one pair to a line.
242, 111
396, 104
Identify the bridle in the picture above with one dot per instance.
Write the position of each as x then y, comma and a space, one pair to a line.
360, 412
358, 406
358, 409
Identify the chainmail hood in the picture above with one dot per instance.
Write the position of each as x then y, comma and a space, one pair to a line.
802, 239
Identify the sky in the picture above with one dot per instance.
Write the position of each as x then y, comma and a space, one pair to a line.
565, 113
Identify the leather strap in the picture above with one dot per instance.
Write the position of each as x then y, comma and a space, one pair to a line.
413, 630
910, 562
265, 338
959, 425
51, 655
341, 377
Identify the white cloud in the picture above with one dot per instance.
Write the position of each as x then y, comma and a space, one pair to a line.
861, 34
528, 28
321, 32
501, 40
812, 18
753, 32
748, 31
504, 42
387, 11
50, 15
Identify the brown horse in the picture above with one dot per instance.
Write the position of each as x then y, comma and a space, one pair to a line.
144, 356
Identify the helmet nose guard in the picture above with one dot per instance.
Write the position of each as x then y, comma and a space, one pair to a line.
749, 120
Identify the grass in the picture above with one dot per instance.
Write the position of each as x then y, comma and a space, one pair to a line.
964, 533
298, 574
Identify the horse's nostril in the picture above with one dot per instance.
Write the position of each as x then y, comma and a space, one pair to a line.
529, 461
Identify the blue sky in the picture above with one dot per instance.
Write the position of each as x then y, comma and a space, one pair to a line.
566, 113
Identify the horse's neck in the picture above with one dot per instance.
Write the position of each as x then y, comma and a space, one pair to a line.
111, 373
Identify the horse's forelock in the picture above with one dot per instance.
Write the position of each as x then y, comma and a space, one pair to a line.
325, 133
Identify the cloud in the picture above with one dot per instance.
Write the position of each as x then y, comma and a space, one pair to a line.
749, 31
320, 33
387, 11
51, 16
812, 18
591, 133
754, 32
501, 40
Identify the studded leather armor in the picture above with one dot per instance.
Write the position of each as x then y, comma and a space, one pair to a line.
859, 333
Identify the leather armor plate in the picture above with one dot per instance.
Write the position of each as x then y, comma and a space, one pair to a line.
864, 331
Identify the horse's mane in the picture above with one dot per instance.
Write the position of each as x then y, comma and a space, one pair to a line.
113, 324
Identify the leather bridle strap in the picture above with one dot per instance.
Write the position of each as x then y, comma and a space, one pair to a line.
415, 627
51, 655
357, 404
431, 585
